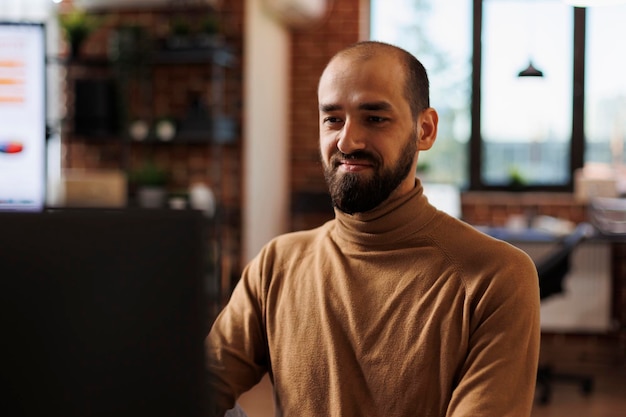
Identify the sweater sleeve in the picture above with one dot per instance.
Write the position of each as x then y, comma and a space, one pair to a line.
499, 374
236, 347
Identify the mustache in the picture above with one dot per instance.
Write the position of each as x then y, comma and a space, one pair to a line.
338, 156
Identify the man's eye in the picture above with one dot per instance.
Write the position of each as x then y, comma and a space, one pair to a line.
331, 119
376, 119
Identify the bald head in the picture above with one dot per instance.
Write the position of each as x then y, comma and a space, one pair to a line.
416, 85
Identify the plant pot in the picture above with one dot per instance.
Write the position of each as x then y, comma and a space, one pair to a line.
74, 47
151, 197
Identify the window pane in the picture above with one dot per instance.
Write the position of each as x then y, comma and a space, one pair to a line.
439, 34
526, 122
605, 85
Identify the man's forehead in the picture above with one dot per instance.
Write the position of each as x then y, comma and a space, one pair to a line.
342, 63
368, 82
342, 68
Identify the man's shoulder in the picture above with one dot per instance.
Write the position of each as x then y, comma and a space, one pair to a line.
290, 251
470, 243
299, 239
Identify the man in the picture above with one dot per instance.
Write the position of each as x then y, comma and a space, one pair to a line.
393, 308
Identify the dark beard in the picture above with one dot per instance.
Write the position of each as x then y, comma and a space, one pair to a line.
351, 193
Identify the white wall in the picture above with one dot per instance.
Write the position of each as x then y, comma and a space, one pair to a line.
265, 128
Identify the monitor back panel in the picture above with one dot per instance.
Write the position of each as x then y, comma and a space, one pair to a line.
103, 313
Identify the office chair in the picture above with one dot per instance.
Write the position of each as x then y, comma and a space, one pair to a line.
552, 271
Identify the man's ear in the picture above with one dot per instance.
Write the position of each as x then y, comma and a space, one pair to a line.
427, 128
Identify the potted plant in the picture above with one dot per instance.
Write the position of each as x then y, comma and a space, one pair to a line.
517, 181
77, 26
150, 181
180, 32
208, 32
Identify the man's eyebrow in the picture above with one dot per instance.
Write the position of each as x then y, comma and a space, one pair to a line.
329, 107
375, 106
371, 106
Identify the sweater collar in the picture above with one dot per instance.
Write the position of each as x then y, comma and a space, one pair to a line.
393, 221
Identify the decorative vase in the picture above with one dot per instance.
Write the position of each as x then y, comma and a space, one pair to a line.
151, 197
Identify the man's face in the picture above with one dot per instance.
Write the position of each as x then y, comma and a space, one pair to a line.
368, 138
354, 192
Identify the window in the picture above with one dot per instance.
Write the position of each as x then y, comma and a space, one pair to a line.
526, 120
525, 132
605, 86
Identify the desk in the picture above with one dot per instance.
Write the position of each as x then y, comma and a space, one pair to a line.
594, 300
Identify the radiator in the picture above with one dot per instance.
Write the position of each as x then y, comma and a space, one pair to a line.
585, 304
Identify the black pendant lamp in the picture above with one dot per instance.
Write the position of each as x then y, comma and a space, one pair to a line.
530, 71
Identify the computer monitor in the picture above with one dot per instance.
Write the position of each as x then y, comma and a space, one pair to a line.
103, 313
446, 197
22, 116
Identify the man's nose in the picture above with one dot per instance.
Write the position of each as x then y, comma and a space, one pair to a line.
351, 138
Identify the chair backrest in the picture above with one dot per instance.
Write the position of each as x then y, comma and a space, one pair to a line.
554, 267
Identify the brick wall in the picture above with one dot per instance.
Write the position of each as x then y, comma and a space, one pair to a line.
495, 208
165, 90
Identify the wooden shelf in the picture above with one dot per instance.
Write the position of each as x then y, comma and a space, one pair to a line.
217, 55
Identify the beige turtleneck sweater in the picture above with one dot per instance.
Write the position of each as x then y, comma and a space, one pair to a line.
400, 311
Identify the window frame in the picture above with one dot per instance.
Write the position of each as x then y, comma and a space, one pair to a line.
577, 142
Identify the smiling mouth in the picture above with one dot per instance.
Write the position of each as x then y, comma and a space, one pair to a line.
353, 165
353, 162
